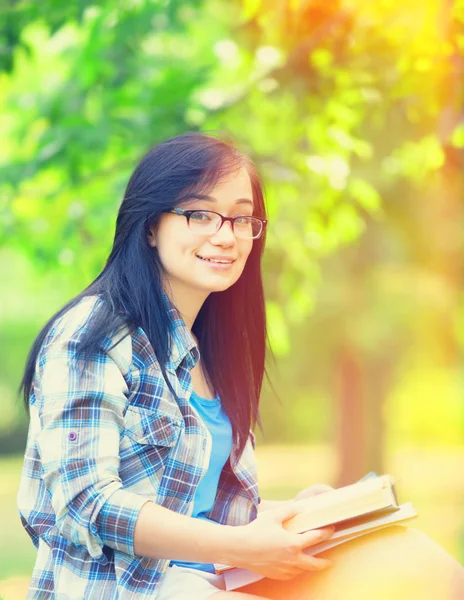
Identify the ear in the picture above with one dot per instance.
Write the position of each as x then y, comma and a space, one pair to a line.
152, 236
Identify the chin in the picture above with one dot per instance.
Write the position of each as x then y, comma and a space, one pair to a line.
218, 287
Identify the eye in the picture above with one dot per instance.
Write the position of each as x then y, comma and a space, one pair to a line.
201, 216
242, 220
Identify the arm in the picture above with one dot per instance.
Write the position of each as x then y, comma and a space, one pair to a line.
81, 418
270, 504
163, 533
312, 490
262, 545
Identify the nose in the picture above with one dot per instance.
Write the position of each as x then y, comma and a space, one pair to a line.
224, 235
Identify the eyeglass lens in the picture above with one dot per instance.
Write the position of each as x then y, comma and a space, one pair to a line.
207, 223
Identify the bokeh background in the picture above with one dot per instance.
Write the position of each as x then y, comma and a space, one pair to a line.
353, 112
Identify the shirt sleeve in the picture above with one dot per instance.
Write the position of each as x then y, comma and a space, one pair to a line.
81, 409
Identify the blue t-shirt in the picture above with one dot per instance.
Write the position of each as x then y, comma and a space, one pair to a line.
216, 420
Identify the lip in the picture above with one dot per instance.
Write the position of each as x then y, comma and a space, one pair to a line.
218, 266
219, 257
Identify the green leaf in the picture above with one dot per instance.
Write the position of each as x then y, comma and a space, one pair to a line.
278, 330
321, 59
250, 8
365, 194
457, 137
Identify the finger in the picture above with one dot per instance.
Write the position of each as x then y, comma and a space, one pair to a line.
310, 538
321, 488
294, 572
314, 490
286, 575
291, 571
286, 512
311, 563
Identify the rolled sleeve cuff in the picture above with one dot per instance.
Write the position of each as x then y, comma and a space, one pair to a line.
115, 523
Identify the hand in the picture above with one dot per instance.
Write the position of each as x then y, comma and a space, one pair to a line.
265, 547
313, 490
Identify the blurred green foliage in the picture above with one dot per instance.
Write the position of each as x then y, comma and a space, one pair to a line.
352, 112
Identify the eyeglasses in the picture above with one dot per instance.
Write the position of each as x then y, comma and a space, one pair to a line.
208, 222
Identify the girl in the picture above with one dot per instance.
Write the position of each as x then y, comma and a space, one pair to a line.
139, 471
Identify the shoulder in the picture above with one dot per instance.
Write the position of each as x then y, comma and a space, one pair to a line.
70, 328
75, 321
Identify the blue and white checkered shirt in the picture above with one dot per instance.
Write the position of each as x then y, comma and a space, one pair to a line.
102, 442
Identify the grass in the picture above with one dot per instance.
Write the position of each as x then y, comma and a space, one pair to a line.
16, 550
431, 479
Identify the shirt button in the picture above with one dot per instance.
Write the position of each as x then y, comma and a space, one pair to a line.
204, 443
72, 436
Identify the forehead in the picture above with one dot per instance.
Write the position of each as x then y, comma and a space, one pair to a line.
235, 188
236, 184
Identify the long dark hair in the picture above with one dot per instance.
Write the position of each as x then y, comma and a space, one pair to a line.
231, 324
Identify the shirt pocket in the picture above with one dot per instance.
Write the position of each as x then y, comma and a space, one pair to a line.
151, 428
147, 441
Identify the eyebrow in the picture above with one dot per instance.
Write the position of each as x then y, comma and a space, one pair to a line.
196, 196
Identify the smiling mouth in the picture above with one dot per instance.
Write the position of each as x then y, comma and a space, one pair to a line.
212, 260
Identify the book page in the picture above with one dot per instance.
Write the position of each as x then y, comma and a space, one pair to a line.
236, 577
405, 513
340, 504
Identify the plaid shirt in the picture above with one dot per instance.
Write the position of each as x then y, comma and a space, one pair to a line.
102, 442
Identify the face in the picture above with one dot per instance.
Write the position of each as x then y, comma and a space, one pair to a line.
179, 248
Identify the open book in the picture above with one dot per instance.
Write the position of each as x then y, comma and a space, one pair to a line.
354, 510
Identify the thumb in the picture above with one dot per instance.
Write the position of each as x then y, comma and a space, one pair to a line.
315, 536
283, 513
321, 488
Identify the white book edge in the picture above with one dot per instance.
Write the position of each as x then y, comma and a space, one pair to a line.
406, 511
364, 504
347, 493
236, 577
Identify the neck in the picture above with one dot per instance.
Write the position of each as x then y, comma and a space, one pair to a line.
188, 302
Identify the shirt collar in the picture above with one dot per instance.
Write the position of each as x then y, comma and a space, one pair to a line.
183, 345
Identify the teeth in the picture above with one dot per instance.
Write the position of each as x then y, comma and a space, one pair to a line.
221, 262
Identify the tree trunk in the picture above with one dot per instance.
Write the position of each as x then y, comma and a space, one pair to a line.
351, 416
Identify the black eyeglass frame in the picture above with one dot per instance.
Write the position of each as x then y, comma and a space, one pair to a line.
187, 214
